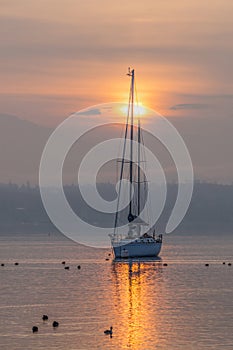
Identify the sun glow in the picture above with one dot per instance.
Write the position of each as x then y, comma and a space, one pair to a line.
139, 110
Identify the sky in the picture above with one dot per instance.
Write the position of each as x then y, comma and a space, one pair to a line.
58, 56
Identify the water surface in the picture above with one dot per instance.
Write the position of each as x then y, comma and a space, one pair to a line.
184, 305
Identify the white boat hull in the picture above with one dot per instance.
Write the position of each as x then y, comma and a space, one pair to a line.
137, 249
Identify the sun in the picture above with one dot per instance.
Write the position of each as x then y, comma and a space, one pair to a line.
139, 110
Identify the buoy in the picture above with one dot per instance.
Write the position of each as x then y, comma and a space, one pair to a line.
79, 267
206, 264
45, 317
108, 331
109, 254
34, 329
107, 259
55, 324
63, 262
165, 264
66, 267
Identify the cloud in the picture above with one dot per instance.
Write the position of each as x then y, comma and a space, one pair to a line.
92, 111
34, 39
206, 96
188, 106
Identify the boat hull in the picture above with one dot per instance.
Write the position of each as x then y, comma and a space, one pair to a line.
137, 249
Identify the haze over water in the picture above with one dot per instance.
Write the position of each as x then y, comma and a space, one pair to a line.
58, 57
185, 305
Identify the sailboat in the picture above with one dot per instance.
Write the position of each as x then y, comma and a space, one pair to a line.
137, 241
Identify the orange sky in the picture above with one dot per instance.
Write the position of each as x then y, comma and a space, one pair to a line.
57, 57
60, 56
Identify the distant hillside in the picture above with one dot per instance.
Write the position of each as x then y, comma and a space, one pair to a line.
22, 143
21, 146
21, 208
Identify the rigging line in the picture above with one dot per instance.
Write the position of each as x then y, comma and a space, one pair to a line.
139, 169
124, 197
122, 163
146, 182
139, 152
118, 154
136, 92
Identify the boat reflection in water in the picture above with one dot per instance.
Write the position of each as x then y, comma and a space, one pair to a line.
137, 296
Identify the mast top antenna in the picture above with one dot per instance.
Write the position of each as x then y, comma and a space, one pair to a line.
130, 72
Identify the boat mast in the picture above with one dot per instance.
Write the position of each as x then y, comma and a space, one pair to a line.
131, 74
123, 157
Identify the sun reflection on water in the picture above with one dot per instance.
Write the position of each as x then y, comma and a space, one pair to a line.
134, 283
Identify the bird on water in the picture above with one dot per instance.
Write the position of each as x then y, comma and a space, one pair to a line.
34, 329
108, 331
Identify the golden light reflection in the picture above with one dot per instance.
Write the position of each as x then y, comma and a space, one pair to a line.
134, 285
